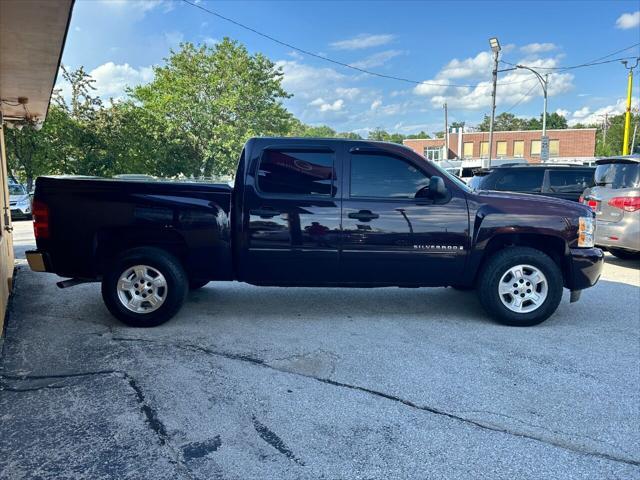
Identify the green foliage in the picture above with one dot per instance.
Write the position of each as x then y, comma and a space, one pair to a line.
213, 99
509, 122
615, 136
384, 136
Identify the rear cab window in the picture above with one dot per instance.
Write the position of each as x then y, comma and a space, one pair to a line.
308, 172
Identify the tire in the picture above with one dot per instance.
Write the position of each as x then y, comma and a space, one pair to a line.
165, 285
197, 284
530, 302
624, 254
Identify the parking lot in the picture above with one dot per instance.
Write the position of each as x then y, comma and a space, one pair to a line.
278, 383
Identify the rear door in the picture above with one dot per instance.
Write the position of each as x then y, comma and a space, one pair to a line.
519, 179
568, 183
613, 180
292, 215
389, 235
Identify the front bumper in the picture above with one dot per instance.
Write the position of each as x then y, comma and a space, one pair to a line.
585, 268
20, 212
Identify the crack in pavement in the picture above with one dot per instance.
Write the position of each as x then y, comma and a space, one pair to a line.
408, 403
275, 441
150, 414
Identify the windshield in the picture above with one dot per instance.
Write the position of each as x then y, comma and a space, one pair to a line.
476, 182
450, 176
17, 190
618, 175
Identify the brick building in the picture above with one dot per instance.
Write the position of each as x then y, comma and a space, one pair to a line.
568, 144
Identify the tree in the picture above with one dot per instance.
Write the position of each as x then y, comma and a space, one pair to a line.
615, 136
384, 136
213, 99
509, 122
421, 134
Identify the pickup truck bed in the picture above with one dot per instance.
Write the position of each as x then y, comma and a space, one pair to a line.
91, 219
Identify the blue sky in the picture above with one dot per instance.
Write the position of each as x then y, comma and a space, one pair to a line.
119, 41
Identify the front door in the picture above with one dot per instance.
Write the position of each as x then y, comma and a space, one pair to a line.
293, 209
392, 237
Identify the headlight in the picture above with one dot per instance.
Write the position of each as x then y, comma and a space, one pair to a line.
586, 230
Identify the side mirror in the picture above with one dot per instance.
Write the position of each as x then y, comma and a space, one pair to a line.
437, 189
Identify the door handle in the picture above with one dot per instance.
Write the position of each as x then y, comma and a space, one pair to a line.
364, 215
264, 212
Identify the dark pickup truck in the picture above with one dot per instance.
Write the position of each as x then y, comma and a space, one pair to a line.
314, 212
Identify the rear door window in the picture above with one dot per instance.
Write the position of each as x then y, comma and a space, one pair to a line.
521, 180
297, 172
570, 181
618, 175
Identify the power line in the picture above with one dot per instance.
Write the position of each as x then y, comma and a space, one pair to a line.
331, 60
573, 67
521, 99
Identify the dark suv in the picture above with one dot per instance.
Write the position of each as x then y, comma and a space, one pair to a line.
560, 181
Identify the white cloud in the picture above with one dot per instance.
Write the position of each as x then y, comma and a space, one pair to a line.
563, 112
306, 81
628, 20
295, 55
363, 41
582, 113
327, 106
376, 104
210, 41
138, 8
478, 66
377, 59
517, 86
534, 48
112, 79
585, 116
349, 93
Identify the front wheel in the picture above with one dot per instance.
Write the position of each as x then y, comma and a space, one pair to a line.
520, 286
145, 287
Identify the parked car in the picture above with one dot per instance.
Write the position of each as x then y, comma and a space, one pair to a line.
551, 180
314, 212
615, 199
19, 201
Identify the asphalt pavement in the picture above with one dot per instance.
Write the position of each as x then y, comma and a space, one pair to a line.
304, 383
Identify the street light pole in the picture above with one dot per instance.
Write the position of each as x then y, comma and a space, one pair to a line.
544, 82
495, 47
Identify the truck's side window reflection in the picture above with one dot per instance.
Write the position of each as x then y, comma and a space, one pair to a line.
384, 176
296, 172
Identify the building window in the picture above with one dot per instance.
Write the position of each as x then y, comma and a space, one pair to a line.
484, 149
433, 153
518, 148
501, 149
535, 147
554, 148
467, 151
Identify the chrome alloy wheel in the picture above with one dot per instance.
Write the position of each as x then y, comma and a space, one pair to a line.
142, 289
523, 288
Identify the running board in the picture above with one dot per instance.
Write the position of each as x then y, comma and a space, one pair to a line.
72, 282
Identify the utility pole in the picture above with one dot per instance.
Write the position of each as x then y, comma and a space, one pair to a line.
627, 115
605, 128
495, 47
446, 133
633, 138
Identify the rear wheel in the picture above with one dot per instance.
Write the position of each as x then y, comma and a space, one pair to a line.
145, 287
520, 286
624, 254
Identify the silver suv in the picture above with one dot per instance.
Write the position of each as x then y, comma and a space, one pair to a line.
616, 200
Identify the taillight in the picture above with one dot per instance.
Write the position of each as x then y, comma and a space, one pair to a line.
40, 212
628, 204
593, 204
